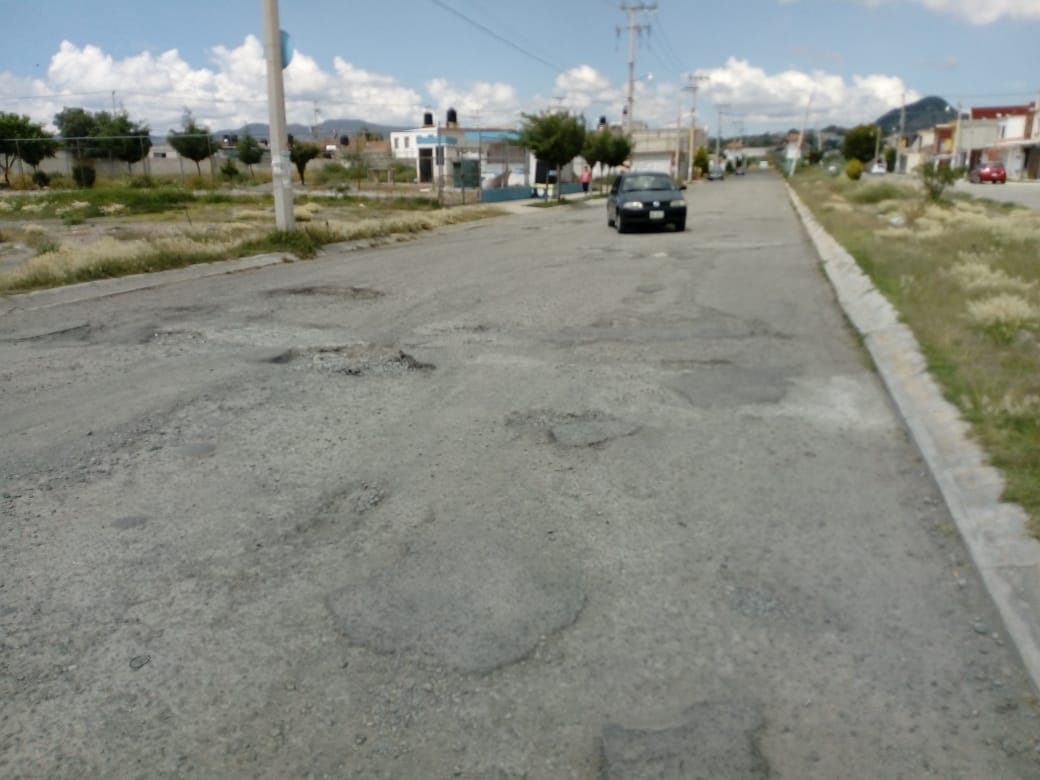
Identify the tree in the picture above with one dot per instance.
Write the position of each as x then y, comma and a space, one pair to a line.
606, 147
121, 139
193, 141
860, 143
619, 149
701, 161
78, 129
39, 147
22, 139
300, 154
595, 149
555, 137
249, 152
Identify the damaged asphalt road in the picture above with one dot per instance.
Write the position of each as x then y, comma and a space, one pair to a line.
525, 499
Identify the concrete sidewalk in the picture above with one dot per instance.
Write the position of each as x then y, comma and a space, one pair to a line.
1008, 559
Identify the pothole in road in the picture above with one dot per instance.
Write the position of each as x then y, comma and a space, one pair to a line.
353, 360
173, 337
584, 429
79, 331
471, 601
332, 291
720, 738
723, 384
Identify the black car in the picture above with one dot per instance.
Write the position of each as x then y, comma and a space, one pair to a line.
645, 198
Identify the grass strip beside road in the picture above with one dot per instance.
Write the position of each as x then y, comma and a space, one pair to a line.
964, 276
79, 237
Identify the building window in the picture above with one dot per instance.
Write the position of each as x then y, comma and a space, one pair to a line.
406, 140
395, 142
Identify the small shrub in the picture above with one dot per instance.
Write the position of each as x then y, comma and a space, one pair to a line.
854, 169
877, 192
1003, 315
936, 178
142, 183
229, 171
404, 173
84, 175
41, 179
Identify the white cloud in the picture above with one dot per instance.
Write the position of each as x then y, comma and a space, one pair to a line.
158, 89
979, 12
776, 100
232, 91
488, 104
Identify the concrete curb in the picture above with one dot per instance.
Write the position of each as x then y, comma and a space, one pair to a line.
1006, 556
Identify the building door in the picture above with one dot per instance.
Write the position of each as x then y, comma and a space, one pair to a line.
425, 166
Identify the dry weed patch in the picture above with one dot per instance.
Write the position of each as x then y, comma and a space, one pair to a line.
964, 276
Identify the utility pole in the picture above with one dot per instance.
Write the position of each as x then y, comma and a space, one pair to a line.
720, 108
957, 138
281, 176
801, 134
692, 86
634, 29
902, 131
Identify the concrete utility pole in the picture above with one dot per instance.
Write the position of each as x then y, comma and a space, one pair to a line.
721, 109
957, 138
281, 168
634, 29
692, 86
902, 130
801, 135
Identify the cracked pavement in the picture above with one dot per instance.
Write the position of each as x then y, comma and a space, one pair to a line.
524, 499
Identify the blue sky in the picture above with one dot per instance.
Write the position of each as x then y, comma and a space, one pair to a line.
760, 60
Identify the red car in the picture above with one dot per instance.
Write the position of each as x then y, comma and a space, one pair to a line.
989, 171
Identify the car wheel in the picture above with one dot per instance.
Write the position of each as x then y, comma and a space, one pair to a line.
680, 226
619, 223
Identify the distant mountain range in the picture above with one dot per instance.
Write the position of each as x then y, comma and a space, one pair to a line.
925, 113
330, 128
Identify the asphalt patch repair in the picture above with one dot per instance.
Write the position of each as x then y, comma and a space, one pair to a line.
471, 602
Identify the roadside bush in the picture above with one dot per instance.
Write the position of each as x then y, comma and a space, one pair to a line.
142, 182
404, 173
854, 169
41, 179
878, 192
936, 178
58, 181
84, 175
229, 170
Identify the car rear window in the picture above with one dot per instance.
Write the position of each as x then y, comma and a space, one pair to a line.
647, 182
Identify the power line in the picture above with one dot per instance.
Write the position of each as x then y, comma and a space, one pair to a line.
518, 37
670, 51
501, 39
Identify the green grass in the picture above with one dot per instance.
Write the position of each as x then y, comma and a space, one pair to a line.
941, 268
57, 264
